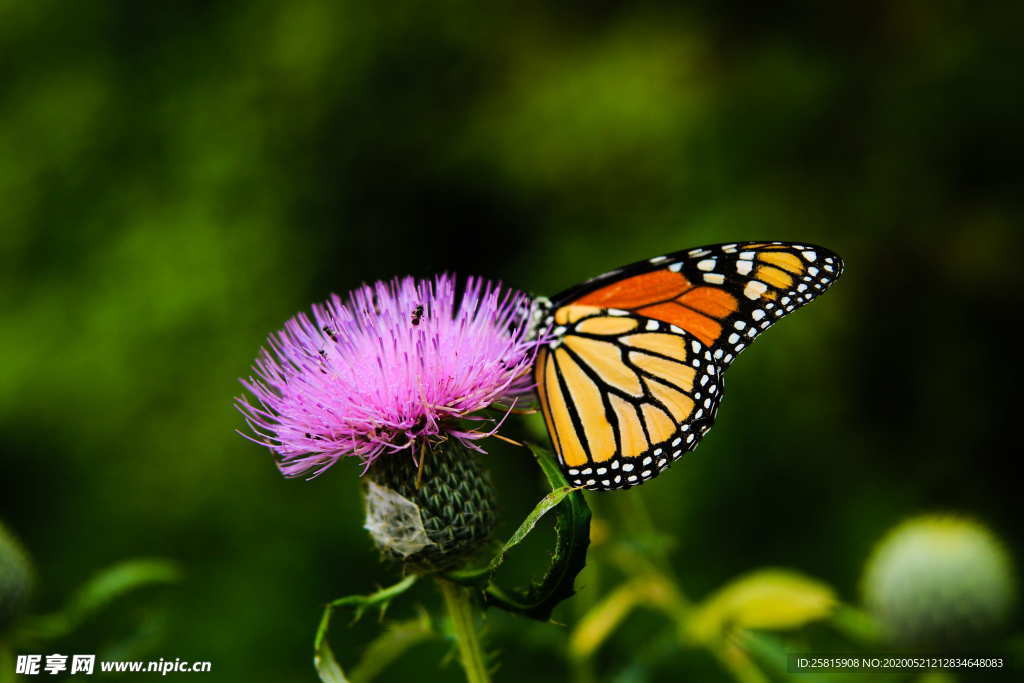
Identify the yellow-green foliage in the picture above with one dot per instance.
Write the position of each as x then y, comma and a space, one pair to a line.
768, 599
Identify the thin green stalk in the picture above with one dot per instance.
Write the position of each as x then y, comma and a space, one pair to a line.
582, 668
736, 662
460, 610
634, 514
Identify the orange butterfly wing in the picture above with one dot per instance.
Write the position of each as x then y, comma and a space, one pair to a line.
631, 379
671, 298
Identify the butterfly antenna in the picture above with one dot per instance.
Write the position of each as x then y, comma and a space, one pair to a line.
423, 460
511, 441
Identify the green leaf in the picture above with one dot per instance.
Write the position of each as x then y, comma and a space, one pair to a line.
326, 665
389, 646
647, 589
546, 503
857, 625
766, 650
572, 532
765, 599
381, 598
323, 657
598, 624
122, 578
100, 591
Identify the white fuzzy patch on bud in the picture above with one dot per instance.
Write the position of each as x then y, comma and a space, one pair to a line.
394, 521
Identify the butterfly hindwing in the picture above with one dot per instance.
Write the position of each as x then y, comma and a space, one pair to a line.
633, 373
623, 396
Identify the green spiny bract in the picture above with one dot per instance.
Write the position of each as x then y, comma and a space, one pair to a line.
430, 519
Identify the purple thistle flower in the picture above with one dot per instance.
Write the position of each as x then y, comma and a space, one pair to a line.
393, 368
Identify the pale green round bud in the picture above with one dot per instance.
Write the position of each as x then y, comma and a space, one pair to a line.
15, 578
430, 519
939, 581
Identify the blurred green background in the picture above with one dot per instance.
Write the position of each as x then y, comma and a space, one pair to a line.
177, 179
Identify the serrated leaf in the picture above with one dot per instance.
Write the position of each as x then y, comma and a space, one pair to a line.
546, 503
323, 657
764, 599
572, 538
480, 576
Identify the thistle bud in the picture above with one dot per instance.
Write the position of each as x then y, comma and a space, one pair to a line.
939, 581
15, 578
430, 517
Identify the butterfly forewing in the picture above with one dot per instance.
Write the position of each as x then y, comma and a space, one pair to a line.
768, 281
632, 376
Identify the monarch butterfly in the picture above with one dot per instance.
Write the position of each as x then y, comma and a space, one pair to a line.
632, 372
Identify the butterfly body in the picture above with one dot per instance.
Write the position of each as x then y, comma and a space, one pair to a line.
632, 373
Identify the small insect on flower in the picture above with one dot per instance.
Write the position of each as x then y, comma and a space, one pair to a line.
356, 379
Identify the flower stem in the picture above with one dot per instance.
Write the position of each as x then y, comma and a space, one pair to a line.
460, 610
